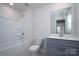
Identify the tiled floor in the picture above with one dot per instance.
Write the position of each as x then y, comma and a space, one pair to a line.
39, 53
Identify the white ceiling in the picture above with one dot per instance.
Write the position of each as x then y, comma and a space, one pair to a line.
20, 7
23, 6
36, 5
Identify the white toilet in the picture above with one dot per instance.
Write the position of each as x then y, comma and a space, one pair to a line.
35, 47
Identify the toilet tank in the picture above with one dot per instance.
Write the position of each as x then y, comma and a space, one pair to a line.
39, 41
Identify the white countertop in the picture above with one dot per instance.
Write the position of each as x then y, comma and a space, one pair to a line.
65, 37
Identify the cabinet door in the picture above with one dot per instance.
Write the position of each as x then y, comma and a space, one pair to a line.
62, 50
54, 50
69, 51
53, 47
69, 48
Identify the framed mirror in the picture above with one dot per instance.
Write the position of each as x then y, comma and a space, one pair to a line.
61, 21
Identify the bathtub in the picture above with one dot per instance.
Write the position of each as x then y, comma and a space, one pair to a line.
20, 49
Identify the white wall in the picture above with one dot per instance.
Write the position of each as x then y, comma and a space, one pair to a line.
76, 19
26, 22
41, 22
8, 12
42, 19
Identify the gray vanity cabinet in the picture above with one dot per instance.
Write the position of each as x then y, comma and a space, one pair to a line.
59, 47
54, 47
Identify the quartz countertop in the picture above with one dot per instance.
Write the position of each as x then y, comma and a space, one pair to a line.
65, 37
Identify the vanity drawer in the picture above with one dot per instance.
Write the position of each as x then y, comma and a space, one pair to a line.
54, 44
53, 41
53, 50
70, 43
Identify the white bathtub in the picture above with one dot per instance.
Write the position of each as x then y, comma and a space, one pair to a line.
17, 49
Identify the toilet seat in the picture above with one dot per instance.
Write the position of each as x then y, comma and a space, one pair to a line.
34, 47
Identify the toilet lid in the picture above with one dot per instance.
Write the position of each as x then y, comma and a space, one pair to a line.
34, 47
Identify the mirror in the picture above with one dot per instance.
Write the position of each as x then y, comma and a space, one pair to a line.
60, 26
61, 21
